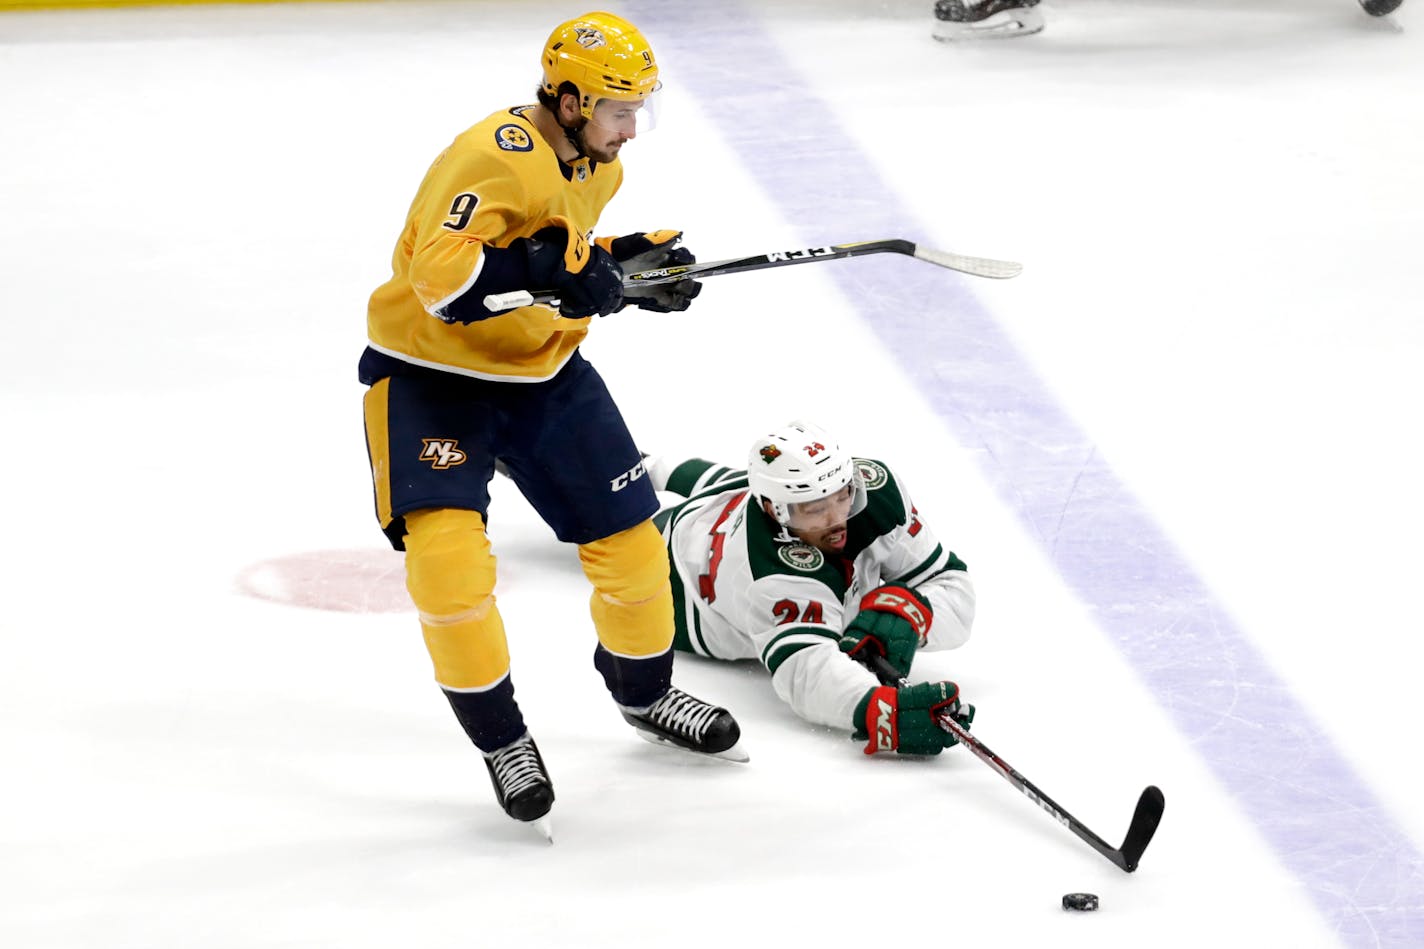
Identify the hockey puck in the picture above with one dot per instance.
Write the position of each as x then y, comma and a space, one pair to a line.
1082, 902
1380, 7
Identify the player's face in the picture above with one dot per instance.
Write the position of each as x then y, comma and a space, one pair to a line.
822, 523
601, 144
613, 123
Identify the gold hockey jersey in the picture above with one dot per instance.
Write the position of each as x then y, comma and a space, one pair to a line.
497, 182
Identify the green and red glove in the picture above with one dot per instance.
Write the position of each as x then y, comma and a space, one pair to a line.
904, 720
893, 622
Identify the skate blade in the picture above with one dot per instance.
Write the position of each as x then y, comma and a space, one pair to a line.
734, 753
1002, 25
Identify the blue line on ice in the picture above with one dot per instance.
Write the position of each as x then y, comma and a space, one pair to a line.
1324, 824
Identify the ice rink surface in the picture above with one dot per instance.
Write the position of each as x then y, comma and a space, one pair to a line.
1180, 454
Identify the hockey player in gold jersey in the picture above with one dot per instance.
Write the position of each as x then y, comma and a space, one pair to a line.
512, 204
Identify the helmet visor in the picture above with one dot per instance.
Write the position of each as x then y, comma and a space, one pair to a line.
823, 513
627, 117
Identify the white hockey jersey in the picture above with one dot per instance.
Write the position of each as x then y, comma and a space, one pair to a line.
740, 593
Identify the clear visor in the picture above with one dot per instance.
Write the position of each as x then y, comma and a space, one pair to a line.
822, 513
627, 118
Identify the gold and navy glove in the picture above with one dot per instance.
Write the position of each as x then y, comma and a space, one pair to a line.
893, 622
596, 289
654, 250
538, 263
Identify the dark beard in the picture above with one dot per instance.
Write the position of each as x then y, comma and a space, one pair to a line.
575, 135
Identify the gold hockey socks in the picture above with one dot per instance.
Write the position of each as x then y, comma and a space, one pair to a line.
632, 598
450, 573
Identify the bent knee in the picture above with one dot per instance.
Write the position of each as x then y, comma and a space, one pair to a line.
630, 567
450, 569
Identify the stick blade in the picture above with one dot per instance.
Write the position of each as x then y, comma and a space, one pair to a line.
1144, 824
978, 266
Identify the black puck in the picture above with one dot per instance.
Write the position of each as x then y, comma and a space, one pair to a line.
1380, 7
1082, 902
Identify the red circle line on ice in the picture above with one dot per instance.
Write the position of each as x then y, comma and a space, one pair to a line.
342, 581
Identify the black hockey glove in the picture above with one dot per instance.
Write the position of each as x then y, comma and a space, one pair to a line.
596, 289
650, 251
893, 622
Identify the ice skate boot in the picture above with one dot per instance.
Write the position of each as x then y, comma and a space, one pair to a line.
688, 722
521, 782
987, 19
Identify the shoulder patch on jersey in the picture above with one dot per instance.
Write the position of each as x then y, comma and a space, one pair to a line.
513, 138
801, 557
884, 507
872, 473
522, 111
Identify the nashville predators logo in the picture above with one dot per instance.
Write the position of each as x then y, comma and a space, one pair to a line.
513, 138
589, 38
442, 453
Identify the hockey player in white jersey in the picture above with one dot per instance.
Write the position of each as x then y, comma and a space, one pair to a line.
804, 560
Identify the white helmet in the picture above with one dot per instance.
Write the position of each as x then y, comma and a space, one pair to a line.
801, 462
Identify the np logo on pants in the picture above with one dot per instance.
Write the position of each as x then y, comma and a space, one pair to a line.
442, 453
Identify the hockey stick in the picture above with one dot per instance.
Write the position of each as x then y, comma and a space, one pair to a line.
1144, 819
977, 266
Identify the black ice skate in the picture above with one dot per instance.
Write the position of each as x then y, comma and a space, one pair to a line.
985, 19
521, 783
688, 722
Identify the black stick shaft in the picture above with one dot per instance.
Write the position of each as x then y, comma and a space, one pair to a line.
1144, 819
785, 258
978, 266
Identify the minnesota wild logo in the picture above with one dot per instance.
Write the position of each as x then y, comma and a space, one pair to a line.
770, 453
801, 557
871, 473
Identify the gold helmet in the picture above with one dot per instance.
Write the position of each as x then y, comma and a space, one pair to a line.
604, 56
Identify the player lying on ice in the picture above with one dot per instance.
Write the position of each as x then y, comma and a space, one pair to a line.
806, 560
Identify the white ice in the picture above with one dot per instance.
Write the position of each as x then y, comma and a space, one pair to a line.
1220, 210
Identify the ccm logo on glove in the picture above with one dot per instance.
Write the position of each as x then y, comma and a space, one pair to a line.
884, 719
902, 603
